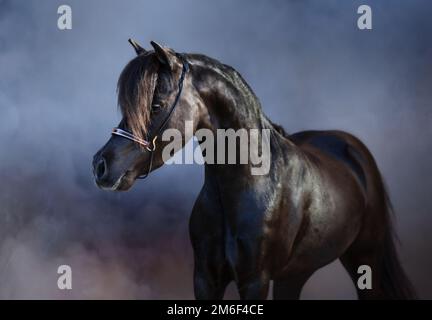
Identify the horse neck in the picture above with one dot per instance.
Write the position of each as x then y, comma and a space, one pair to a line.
229, 103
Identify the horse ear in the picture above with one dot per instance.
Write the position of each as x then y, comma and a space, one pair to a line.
164, 55
138, 49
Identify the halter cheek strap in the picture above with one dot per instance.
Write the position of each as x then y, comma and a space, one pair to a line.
151, 146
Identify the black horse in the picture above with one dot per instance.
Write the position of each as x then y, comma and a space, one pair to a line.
322, 199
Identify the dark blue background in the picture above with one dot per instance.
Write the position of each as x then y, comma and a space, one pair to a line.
306, 61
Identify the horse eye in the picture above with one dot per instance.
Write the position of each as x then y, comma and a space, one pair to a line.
156, 107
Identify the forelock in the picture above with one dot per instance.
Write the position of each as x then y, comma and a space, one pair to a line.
135, 89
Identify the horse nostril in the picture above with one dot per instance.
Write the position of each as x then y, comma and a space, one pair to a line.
100, 169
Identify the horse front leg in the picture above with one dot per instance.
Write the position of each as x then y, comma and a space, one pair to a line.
251, 276
211, 273
254, 289
210, 279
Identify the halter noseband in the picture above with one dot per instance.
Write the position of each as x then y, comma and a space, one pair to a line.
151, 146
130, 136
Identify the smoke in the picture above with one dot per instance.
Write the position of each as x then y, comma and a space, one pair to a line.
306, 60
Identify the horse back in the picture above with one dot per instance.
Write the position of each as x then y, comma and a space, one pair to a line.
339, 145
